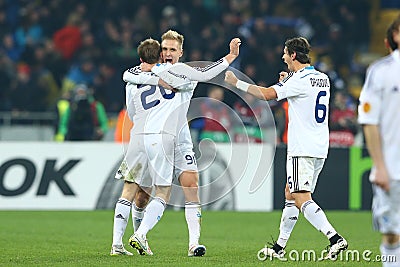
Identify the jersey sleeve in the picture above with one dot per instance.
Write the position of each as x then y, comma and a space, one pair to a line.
287, 88
196, 73
136, 76
370, 105
177, 81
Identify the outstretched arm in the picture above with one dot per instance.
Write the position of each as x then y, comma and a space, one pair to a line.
260, 92
199, 74
180, 82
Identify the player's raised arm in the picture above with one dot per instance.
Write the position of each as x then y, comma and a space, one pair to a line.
177, 81
233, 50
260, 92
199, 74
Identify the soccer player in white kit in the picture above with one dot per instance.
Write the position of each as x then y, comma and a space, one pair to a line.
185, 162
378, 112
307, 91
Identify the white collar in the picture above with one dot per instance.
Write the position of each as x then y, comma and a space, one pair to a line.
396, 55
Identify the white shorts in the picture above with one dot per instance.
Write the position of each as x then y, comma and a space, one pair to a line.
149, 160
386, 208
185, 159
302, 173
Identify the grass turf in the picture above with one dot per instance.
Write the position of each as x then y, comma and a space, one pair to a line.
83, 238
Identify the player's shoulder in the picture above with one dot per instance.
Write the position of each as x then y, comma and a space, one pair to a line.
382, 64
136, 70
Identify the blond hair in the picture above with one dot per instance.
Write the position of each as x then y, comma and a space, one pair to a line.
173, 35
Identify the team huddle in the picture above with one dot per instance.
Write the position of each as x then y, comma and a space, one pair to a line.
158, 94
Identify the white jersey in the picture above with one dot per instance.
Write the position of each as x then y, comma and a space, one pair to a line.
380, 105
170, 118
308, 93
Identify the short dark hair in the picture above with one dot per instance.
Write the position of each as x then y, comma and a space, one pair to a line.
149, 51
301, 46
394, 27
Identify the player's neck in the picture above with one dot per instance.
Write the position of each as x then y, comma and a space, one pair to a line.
300, 66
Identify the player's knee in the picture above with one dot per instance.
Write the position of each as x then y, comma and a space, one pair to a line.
189, 179
163, 192
391, 238
142, 198
301, 197
128, 191
288, 195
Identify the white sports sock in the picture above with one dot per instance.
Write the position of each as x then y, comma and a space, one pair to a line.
121, 218
153, 214
137, 216
388, 252
316, 216
193, 220
290, 215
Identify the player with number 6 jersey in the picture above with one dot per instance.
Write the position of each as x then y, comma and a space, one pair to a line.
307, 91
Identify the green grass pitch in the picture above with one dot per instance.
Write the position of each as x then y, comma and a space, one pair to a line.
83, 238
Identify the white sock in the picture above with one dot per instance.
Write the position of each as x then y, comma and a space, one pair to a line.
137, 216
390, 252
153, 214
193, 220
290, 215
316, 216
121, 217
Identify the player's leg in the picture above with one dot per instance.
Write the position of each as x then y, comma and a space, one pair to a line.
121, 217
189, 182
155, 209
289, 217
305, 176
154, 212
386, 217
188, 176
160, 154
141, 199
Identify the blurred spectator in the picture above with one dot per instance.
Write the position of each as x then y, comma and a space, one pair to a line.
83, 119
67, 40
214, 120
5, 81
123, 127
10, 48
251, 112
44, 78
83, 72
25, 94
109, 31
30, 32
109, 88
280, 110
343, 120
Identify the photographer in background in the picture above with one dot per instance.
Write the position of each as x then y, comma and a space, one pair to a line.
84, 119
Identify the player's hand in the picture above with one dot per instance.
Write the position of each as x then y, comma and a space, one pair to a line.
231, 78
234, 46
382, 179
282, 75
162, 83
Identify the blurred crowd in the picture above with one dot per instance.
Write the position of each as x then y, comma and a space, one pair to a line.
48, 47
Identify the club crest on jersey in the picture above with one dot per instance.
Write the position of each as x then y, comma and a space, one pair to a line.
366, 107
